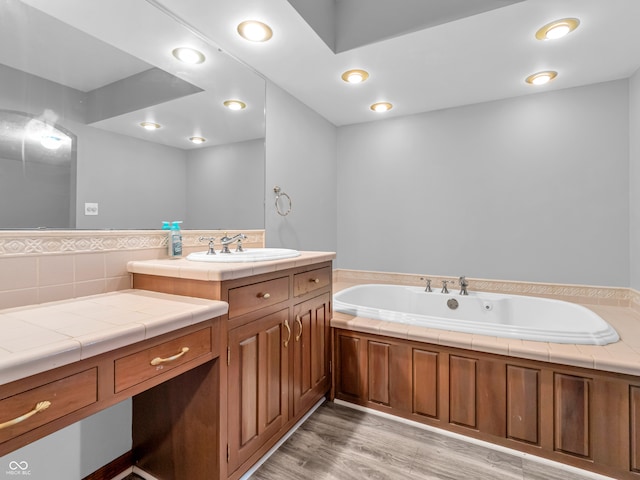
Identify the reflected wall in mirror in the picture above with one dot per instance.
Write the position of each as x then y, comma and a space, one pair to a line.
87, 79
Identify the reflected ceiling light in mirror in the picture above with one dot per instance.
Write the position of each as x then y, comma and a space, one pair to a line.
51, 142
197, 140
557, 29
255, 31
381, 107
235, 104
541, 78
355, 76
150, 126
188, 55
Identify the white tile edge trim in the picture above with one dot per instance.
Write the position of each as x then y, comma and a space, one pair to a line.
273, 449
475, 441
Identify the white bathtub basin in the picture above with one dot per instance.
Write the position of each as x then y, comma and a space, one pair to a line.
248, 255
499, 315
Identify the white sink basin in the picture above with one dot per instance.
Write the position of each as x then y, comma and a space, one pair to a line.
248, 255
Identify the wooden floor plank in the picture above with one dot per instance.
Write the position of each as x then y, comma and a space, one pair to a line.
341, 443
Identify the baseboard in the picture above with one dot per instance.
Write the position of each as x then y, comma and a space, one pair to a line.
112, 469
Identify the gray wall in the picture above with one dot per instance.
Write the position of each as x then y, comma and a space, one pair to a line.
225, 186
136, 184
634, 178
533, 188
301, 159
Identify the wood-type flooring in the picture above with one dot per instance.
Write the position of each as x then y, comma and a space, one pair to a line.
341, 443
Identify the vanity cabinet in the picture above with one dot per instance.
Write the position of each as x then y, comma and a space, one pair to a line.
179, 362
582, 417
257, 384
278, 353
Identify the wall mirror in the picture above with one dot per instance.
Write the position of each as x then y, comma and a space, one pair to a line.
87, 85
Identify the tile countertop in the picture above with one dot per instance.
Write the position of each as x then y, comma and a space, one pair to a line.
212, 271
620, 357
41, 337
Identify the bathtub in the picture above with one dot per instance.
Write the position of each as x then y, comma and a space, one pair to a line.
498, 315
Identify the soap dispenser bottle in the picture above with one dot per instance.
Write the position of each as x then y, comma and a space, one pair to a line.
175, 240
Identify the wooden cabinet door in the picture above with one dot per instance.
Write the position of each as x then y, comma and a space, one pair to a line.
257, 384
311, 353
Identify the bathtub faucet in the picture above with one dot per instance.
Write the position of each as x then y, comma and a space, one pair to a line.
463, 285
226, 240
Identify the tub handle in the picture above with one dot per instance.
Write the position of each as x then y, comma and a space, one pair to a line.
286, 325
299, 322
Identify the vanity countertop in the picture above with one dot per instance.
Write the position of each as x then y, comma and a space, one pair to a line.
619, 357
41, 337
211, 271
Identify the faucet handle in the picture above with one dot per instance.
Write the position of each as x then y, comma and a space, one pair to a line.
463, 281
428, 287
444, 287
211, 241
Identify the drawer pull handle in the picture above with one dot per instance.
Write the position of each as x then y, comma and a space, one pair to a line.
286, 325
158, 360
264, 295
40, 406
300, 325
314, 280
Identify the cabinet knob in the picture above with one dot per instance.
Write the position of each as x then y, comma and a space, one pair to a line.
314, 280
265, 295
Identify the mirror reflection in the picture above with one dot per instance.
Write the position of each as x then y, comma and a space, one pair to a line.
74, 152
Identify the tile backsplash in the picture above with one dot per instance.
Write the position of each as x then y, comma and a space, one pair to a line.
44, 266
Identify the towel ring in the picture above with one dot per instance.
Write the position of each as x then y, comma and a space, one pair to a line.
280, 193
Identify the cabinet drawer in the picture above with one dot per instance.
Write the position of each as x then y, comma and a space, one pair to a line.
28, 410
307, 282
151, 362
257, 295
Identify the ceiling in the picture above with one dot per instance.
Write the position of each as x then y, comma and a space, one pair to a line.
430, 59
479, 58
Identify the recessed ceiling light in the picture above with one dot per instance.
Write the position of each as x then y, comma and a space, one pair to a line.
235, 104
557, 29
198, 140
188, 55
541, 78
355, 76
150, 125
381, 107
255, 31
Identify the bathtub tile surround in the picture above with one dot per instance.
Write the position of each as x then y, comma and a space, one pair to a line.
584, 294
45, 266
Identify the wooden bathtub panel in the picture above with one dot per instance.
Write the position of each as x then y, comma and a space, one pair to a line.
462, 391
523, 404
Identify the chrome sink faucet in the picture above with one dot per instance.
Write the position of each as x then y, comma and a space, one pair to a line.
463, 285
226, 240
211, 244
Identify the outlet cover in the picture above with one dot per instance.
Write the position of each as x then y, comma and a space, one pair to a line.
91, 209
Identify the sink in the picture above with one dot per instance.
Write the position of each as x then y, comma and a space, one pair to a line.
248, 255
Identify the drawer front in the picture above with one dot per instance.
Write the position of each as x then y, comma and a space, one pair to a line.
307, 282
33, 408
154, 361
257, 295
